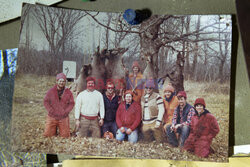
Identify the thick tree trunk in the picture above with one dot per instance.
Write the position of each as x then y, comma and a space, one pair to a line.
148, 40
179, 84
221, 72
195, 61
196, 49
187, 64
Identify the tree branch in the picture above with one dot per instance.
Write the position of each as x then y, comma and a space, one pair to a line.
93, 17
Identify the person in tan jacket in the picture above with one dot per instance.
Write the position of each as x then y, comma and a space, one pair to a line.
152, 113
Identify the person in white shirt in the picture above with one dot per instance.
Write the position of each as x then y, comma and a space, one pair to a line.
89, 104
152, 113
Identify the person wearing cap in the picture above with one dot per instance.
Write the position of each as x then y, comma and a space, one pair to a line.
128, 118
170, 102
58, 102
152, 113
89, 104
135, 82
178, 131
111, 101
203, 129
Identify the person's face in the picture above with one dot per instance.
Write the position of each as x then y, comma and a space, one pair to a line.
90, 85
167, 94
149, 90
181, 101
61, 83
128, 98
136, 70
199, 108
110, 89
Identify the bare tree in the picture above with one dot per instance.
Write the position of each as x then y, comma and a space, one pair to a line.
58, 27
196, 49
187, 64
161, 34
222, 57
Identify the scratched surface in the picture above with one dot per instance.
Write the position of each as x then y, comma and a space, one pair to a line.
12, 9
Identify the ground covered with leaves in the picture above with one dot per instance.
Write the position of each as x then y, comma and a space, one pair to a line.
7, 157
29, 117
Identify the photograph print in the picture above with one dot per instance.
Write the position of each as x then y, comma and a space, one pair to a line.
89, 83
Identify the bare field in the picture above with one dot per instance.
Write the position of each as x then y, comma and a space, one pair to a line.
29, 114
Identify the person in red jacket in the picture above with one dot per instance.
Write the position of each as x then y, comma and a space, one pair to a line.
204, 128
58, 102
128, 118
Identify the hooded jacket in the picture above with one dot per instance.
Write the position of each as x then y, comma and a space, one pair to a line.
130, 117
56, 108
203, 129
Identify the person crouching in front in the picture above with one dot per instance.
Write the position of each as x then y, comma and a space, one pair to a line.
178, 131
204, 128
153, 110
128, 118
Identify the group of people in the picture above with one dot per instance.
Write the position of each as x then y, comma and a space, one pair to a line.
141, 111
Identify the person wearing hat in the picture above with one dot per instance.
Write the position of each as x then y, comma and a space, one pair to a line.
128, 118
58, 102
152, 113
203, 129
178, 131
170, 102
111, 101
135, 82
89, 104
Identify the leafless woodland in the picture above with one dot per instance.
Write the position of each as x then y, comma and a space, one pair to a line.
190, 47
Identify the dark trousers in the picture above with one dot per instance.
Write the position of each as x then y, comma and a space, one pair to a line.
109, 126
183, 135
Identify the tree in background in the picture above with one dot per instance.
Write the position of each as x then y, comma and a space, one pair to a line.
59, 28
178, 47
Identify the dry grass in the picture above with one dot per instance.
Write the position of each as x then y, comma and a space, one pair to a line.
29, 121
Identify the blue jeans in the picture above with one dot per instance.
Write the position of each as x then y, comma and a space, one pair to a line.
183, 135
109, 126
132, 138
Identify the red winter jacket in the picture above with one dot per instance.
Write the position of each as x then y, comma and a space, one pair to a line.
129, 118
56, 108
202, 131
